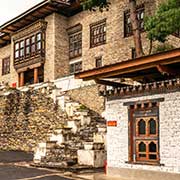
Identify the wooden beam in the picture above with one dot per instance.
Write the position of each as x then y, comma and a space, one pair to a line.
110, 83
166, 70
130, 66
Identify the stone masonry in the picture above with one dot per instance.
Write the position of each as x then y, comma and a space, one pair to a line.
26, 117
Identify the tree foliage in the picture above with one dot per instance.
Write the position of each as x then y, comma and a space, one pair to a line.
92, 5
166, 21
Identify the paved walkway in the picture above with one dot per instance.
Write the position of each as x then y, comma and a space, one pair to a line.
14, 166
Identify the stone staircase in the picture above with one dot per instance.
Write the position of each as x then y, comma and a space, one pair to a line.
80, 140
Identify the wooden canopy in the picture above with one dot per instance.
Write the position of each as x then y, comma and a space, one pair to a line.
39, 11
145, 69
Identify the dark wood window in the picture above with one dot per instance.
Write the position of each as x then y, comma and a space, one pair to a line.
16, 51
133, 53
28, 47
33, 44
21, 49
127, 21
99, 62
39, 41
75, 45
98, 33
6, 66
144, 133
75, 67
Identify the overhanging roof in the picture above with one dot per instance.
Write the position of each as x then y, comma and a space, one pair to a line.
39, 11
168, 62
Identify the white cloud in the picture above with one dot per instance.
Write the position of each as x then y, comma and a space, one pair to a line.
12, 8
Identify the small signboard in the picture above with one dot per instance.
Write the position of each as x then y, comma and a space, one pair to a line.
112, 123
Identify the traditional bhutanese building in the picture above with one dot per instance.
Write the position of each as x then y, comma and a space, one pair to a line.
56, 39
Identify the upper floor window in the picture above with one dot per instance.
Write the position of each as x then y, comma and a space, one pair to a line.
127, 21
29, 46
75, 45
6, 66
75, 41
98, 33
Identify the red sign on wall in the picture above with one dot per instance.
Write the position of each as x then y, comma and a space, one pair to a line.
112, 123
13, 85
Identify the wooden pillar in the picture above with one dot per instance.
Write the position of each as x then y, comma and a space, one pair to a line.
35, 75
21, 79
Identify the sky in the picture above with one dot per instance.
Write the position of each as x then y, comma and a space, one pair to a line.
12, 8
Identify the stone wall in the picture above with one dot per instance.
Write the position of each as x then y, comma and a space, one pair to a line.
61, 47
26, 118
88, 96
169, 134
12, 77
117, 47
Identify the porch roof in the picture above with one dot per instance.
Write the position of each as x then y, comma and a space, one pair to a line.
145, 69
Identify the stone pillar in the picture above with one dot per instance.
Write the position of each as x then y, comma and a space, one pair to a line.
21, 79
35, 75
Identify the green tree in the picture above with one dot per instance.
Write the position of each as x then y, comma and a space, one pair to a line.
165, 21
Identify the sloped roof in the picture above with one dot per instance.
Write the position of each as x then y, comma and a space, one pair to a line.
41, 10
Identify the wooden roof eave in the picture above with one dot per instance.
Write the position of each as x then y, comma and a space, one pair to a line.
39, 11
129, 66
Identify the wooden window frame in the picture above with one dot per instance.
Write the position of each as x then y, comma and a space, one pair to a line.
75, 67
6, 66
98, 62
75, 45
21, 59
135, 138
127, 24
100, 35
27, 46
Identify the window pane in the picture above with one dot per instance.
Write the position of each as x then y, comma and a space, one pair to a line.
16, 46
142, 127
33, 48
39, 45
32, 39
142, 147
16, 54
152, 156
27, 42
21, 44
152, 126
39, 37
28, 50
21, 52
152, 147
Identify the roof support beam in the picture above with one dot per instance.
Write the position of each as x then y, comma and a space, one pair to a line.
110, 83
166, 70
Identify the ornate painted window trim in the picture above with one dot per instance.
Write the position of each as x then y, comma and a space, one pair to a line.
143, 133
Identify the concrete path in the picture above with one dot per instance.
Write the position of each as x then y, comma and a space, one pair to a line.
14, 165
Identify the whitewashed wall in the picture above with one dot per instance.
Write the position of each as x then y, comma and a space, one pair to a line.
117, 137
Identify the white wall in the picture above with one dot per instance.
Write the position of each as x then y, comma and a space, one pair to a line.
117, 137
